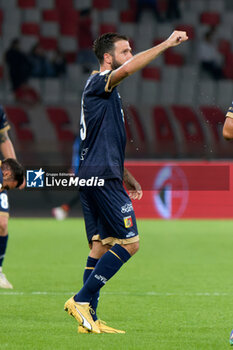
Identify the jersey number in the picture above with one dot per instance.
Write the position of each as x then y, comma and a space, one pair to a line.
83, 128
4, 201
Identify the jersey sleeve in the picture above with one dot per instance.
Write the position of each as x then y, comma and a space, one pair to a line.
4, 126
230, 111
100, 83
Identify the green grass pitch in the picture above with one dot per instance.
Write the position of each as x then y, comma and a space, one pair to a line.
176, 293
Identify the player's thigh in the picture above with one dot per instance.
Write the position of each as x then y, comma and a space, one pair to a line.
98, 249
90, 218
116, 214
4, 213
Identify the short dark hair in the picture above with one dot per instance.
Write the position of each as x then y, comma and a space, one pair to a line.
105, 44
16, 169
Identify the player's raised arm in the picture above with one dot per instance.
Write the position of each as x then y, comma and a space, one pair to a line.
228, 129
228, 124
6, 146
143, 58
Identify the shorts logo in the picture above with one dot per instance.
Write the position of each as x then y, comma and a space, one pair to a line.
130, 234
127, 208
128, 221
35, 178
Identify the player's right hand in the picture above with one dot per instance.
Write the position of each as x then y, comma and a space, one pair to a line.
177, 37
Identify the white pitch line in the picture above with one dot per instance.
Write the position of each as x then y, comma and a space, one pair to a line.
159, 294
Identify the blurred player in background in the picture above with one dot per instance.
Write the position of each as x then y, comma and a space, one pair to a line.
60, 213
7, 151
228, 124
108, 212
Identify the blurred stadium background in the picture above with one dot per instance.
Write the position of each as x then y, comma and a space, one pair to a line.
174, 108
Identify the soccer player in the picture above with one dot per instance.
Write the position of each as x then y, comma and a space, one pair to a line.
7, 151
228, 124
108, 212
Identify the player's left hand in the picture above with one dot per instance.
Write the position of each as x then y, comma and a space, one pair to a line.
135, 190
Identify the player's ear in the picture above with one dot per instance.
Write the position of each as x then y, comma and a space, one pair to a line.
6, 173
107, 58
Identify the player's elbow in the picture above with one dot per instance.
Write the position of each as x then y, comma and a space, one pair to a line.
227, 134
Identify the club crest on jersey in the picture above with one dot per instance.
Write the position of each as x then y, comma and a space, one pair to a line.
128, 221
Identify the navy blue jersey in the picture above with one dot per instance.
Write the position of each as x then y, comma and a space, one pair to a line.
230, 111
102, 129
4, 205
76, 155
3, 120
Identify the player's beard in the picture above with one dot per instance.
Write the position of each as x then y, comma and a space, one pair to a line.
115, 64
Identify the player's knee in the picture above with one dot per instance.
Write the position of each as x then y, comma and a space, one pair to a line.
98, 249
132, 248
3, 226
135, 247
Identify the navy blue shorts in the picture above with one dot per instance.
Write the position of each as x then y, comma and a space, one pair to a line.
4, 204
108, 213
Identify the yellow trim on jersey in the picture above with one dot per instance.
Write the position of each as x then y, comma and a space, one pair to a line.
3, 213
5, 129
89, 268
229, 114
106, 89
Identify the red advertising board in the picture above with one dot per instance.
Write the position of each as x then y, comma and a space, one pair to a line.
184, 189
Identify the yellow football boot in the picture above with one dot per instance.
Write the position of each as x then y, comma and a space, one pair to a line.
102, 327
82, 314
106, 329
83, 330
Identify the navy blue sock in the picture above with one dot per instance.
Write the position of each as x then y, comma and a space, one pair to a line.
106, 268
91, 263
3, 245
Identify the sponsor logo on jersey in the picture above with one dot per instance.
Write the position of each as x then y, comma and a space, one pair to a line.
127, 208
128, 221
